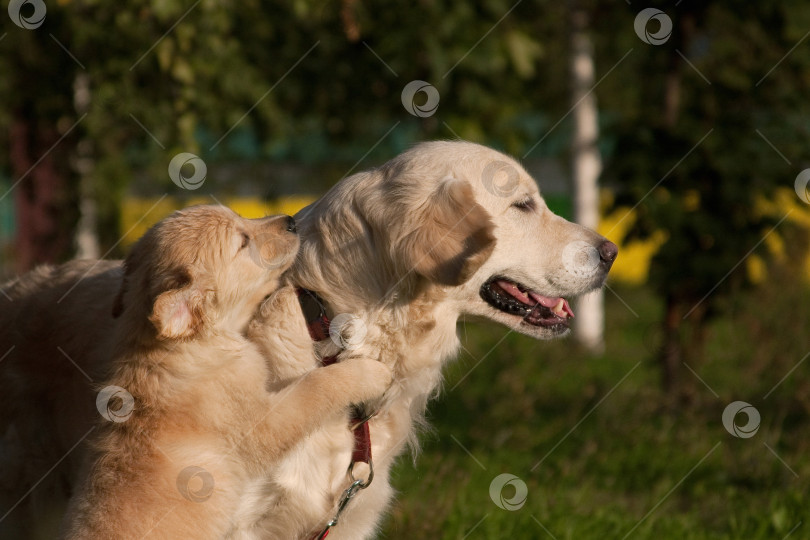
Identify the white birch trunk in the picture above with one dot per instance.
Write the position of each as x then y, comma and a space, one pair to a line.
586, 166
86, 236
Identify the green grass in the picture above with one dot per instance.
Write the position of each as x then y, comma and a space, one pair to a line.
632, 467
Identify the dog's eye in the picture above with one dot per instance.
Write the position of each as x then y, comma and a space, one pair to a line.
525, 205
245, 240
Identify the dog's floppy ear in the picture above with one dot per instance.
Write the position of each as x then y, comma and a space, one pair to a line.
180, 310
453, 237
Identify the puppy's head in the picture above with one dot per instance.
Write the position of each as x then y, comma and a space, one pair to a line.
204, 267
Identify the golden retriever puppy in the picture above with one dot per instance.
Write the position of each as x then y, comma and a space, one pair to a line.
190, 413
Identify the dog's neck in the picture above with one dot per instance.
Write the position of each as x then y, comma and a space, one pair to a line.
410, 325
414, 336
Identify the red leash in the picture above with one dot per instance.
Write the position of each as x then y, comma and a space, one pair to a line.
318, 326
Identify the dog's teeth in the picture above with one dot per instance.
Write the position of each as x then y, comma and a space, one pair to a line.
559, 309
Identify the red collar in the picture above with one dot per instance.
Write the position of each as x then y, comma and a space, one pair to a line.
314, 314
318, 325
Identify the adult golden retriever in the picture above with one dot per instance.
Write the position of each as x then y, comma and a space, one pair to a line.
195, 405
443, 230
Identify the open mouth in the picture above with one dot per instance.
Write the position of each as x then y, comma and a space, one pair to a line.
534, 308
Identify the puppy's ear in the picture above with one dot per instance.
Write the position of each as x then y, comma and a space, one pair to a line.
453, 238
180, 311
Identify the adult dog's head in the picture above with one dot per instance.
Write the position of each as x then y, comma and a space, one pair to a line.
458, 222
202, 268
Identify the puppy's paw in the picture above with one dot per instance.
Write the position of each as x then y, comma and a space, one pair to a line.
280, 303
365, 379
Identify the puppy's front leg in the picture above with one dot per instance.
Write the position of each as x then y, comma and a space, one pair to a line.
279, 330
320, 395
354, 380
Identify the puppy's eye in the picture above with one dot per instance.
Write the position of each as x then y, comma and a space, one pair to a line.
245, 241
525, 205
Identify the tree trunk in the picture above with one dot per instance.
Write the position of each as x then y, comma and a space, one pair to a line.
671, 349
86, 240
44, 206
586, 166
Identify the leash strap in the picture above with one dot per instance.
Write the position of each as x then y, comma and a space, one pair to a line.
362, 443
347, 496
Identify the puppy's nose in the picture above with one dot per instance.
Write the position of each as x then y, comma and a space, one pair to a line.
291, 225
607, 253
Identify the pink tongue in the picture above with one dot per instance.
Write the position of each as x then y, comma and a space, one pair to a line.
551, 302
531, 298
514, 292
544, 300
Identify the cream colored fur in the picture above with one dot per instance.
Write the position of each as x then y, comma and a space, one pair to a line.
356, 254
204, 395
405, 248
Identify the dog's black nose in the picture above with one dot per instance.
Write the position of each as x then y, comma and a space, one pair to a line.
291, 224
608, 252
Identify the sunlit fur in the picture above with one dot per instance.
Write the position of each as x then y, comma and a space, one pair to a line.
405, 247
203, 395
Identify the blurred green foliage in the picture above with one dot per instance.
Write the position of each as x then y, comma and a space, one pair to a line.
304, 81
320, 82
699, 174
716, 125
190, 71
